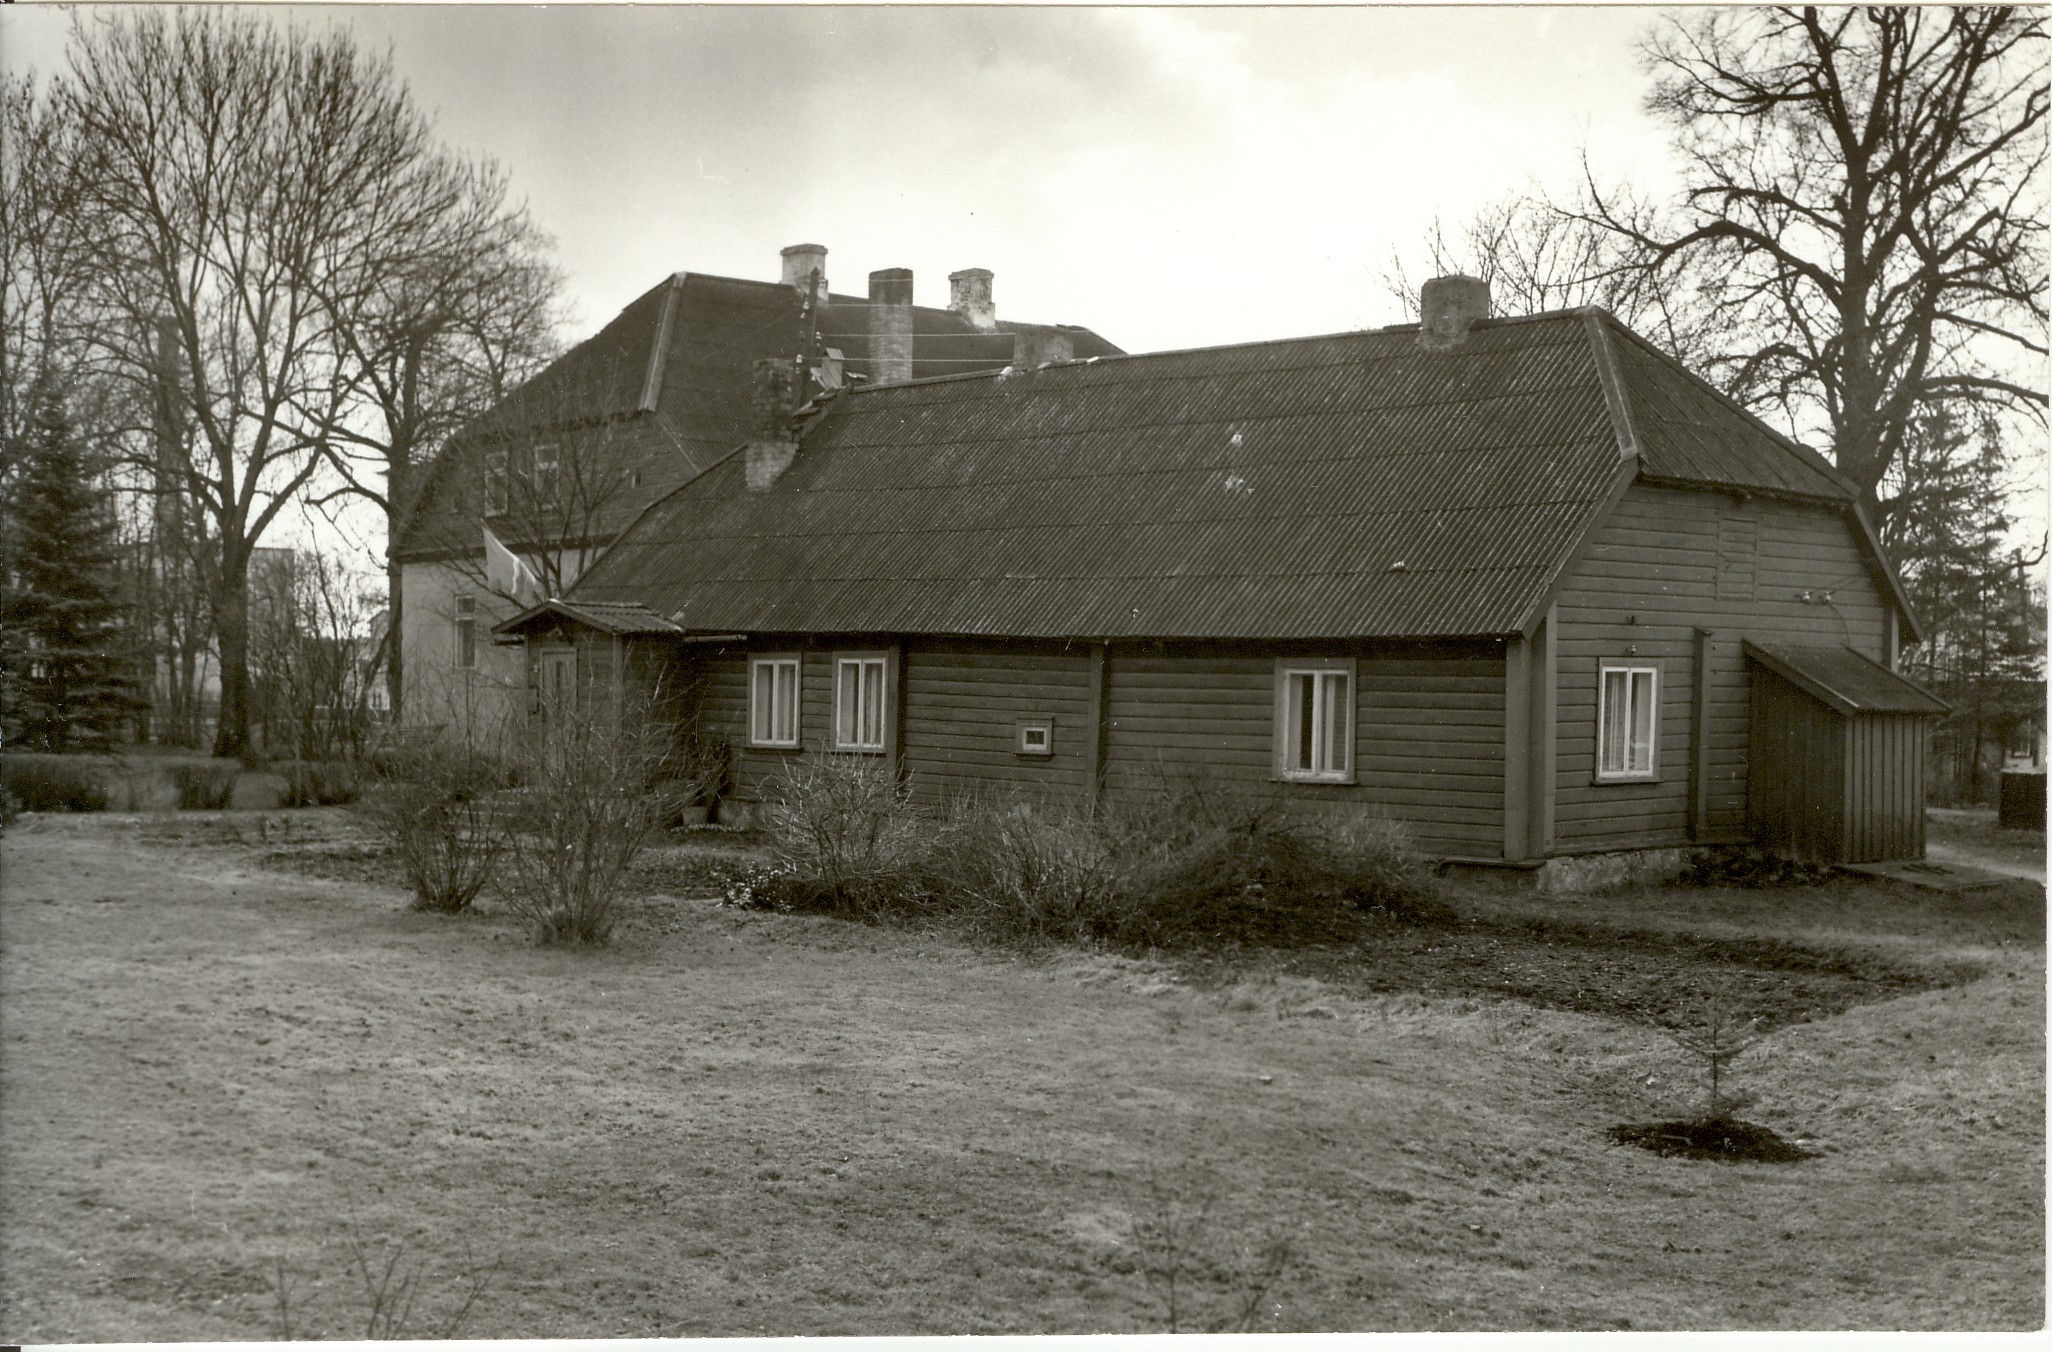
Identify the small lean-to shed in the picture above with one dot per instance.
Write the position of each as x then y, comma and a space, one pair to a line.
1837, 755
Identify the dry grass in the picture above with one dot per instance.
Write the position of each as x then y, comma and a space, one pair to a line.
738, 1123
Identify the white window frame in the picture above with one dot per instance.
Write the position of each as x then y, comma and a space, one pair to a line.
497, 487
1622, 755
1334, 693
546, 480
466, 632
1026, 732
786, 673
865, 724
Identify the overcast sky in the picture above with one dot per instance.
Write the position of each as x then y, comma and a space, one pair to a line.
1171, 178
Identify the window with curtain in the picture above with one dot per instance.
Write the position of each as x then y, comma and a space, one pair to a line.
1627, 722
773, 701
860, 702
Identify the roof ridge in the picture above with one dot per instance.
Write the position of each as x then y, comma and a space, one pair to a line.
1166, 352
659, 350
1615, 401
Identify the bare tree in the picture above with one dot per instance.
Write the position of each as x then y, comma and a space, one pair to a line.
241, 179
1537, 258
45, 226
1867, 183
312, 657
457, 303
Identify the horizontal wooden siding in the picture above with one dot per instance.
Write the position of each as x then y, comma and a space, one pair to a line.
1428, 742
961, 705
1669, 562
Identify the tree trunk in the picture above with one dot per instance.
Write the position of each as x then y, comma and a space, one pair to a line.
231, 631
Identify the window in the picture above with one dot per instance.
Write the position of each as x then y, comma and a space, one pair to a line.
466, 631
495, 483
548, 471
1627, 717
1033, 736
1314, 720
773, 701
860, 701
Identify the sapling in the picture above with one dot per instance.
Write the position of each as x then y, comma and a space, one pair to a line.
1719, 1037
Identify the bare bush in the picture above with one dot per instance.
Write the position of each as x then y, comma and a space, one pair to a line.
596, 790
1186, 864
1030, 870
1207, 1274
846, 838
319, 783
206, 787
434, 804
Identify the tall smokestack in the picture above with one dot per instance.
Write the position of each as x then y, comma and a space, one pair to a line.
890, 325
969, 297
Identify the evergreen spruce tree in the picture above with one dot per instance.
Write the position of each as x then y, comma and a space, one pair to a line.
68, 680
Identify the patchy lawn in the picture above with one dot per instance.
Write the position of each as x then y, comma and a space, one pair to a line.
222, 1082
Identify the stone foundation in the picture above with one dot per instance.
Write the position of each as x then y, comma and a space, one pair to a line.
1607, 872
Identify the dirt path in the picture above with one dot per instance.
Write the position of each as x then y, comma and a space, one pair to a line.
215, 1080
1970, 836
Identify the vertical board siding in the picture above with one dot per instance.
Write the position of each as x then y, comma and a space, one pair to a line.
1800, 752
961, 704
1884, 788
1428, 732
1648, 581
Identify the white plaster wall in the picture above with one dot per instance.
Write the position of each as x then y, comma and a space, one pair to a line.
479, 700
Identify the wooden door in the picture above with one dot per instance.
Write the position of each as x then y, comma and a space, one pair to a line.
558, 681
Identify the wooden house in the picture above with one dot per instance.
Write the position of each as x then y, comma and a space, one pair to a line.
1496, 578
660, 394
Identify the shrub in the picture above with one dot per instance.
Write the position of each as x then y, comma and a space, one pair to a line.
577, 827
54, 784
1021, 869
1185, 865
1746, 866
319, 783
432, 805
846, 838
10, 808
205, 787
1271, 879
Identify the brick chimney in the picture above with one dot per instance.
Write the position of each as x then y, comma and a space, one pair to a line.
800, 262
969, 297
1447, 306
1036, 344
890, 325
771, 447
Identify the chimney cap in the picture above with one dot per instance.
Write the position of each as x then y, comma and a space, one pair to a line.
1448, 306
790, 249
967, 274
891, 286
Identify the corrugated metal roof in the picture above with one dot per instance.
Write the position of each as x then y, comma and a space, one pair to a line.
1691, 433
610, 617
1349, 485
680, 356
1845, 680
